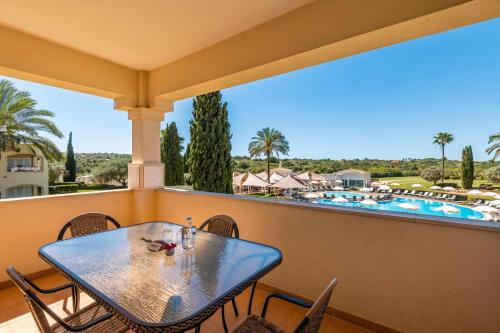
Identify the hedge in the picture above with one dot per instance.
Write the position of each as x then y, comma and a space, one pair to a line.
63, 189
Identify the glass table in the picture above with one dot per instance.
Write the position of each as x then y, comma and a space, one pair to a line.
152, 292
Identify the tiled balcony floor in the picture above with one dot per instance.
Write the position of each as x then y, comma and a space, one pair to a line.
14, 315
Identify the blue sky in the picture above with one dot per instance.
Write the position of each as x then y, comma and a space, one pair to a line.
387, 103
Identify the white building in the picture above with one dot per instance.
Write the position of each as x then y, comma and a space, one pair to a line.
351, 177
23, 173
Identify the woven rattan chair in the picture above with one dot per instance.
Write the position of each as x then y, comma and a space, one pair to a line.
310, 324
222, 225
91, 319
81, 225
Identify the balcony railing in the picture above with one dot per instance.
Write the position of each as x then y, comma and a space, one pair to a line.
409, 273
24, 169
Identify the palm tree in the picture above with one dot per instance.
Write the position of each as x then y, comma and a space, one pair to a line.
442, 139
495, 147
268, 141
21, 122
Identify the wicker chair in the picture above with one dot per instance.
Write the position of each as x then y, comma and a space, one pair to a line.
81, 225
310, 324
91, 319
222, 225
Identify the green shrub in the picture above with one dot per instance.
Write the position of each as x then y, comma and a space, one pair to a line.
493, 174
431, 174
63, 189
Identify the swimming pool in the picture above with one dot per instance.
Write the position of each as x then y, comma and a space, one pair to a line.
426, 207
344, 193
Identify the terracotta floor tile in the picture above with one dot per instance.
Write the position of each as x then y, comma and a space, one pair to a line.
14, 315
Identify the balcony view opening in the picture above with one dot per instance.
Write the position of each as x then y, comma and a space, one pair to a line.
410, 128
218, 166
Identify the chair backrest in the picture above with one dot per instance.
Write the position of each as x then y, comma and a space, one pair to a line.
222, 225
314, 316
31, 299
88, 223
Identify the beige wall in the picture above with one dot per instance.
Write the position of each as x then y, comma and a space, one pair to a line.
12, 179
408, 274
27, 224
414, 277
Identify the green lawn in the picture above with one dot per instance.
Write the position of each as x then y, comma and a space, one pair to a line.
407, 182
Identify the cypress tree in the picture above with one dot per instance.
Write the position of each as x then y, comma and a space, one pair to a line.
467, 167
210, 147
186, 158
70, 164
171, 155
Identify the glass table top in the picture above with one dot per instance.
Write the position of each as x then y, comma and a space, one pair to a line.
150, 287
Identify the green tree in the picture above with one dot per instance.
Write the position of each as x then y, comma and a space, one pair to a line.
467, 167
171, 155
495, 147
210, 147
186, 158
55, 172
112, 171
493, 174
70, 165
268, 142
442, 139
21, 123
431, 174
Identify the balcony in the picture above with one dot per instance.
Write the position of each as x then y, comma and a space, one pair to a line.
396, 272
24, 169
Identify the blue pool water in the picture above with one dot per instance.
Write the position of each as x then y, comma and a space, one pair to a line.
427, 207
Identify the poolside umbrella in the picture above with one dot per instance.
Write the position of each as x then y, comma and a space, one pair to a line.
288, 182
447, 209
449, 188
338, 181
416, 185
311, 195
474, 192
490, 194
395, 184
254, 181
339, 199
338, 188
324, 181
384, 188
407, 205
369, 202
485, 209
366, 189
435, 187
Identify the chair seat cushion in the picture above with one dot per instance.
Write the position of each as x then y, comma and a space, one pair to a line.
256, 324
87, 314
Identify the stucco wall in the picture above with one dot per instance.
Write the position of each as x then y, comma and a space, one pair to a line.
27, 224
13, 179
408, 274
